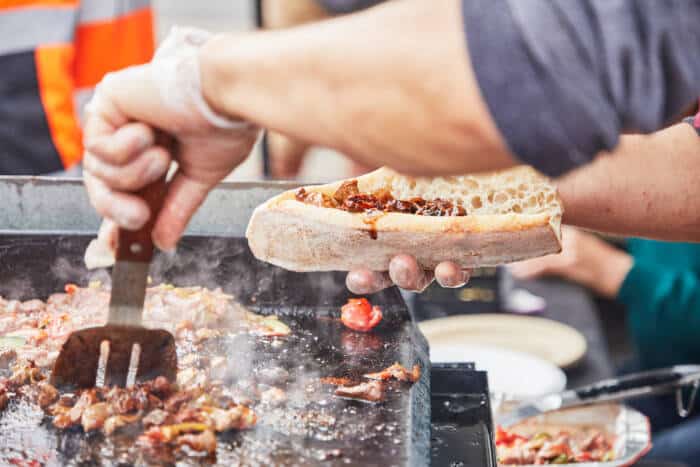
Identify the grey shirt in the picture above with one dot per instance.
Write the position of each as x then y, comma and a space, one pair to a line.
563, 78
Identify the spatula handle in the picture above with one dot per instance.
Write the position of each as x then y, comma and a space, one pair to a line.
137, 245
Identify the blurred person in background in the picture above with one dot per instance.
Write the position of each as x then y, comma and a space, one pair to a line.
286, 155
52, 54
659, 285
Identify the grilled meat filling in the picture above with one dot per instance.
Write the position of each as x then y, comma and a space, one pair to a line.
348, 198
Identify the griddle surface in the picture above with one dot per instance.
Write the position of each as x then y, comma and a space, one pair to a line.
313, 428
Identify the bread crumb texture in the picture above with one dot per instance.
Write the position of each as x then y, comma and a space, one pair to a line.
521, 190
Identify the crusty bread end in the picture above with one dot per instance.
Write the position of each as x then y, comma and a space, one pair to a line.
511, 216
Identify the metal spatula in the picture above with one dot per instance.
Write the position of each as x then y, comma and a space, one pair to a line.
123, 351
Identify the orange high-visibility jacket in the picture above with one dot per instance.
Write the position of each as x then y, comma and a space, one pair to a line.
52, 54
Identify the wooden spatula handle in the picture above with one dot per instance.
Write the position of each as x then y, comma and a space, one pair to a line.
137, 245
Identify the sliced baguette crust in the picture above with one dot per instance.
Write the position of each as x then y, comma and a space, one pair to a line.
302, 237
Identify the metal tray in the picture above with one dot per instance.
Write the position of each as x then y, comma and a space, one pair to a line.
631, 429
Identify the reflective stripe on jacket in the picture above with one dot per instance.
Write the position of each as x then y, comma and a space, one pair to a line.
52, 54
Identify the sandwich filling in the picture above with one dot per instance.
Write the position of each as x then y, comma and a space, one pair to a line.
349, 198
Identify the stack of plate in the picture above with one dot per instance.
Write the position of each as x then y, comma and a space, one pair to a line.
523, 355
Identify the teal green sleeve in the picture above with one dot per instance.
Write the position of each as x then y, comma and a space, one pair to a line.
664, 313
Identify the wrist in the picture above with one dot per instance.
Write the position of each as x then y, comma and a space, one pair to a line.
217, 72
610, 272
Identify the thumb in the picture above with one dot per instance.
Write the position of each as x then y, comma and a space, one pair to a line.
184, 197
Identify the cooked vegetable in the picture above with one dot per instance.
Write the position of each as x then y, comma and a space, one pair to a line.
359, 315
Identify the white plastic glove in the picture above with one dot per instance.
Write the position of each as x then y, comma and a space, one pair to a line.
122, 155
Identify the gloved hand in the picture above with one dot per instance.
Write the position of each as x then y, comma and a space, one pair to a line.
405, 272
122, 155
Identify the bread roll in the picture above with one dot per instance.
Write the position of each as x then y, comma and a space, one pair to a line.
510, 216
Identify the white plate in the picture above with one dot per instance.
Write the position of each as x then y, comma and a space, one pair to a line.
557, 343
515, 375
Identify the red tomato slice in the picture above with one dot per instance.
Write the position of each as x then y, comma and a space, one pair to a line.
359, 315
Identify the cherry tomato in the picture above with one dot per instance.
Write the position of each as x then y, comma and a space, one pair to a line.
70, 288
359, 315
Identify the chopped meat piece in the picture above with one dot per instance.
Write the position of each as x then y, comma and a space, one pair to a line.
203, 442
397, 372
123, 401
47, 394
346, 189
67, 400
174, 402
86, 399
23, 374
236, 418
156, 417
332, 380
116, 422
371, 391
359, 315
191, 414
94, 416
315, 198
361, 202
273, 396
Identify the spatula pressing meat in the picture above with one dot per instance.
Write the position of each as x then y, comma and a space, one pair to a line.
122, 351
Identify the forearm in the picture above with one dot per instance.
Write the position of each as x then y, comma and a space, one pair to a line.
365, 84
647, 187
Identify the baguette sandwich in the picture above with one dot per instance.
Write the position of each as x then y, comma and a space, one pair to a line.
473, 220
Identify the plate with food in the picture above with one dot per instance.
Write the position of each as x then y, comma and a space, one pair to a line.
549, 340
611, 435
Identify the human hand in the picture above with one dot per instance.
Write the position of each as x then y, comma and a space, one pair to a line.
584, 259
406, 273
123, 156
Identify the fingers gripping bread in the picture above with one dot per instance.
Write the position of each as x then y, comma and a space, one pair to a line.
510, 216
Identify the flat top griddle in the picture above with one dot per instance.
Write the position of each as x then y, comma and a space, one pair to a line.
312, 429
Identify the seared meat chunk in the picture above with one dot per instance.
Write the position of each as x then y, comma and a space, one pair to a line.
371, 391
115, 422
156, 417
346, 189
47, 394
203, 442
86, 399
94, 416
397, 372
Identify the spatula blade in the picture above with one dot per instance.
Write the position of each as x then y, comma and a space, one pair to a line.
77, 364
